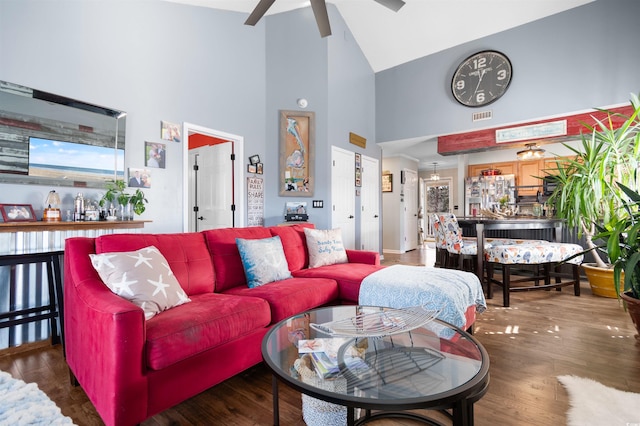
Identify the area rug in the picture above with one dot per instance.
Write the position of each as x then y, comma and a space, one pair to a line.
594, 404
25, 404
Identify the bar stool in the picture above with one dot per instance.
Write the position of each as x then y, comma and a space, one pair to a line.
547, 255
441, 245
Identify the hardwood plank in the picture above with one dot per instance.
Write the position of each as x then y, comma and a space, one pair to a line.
542, 335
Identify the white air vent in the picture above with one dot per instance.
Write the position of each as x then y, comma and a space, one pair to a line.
484, 115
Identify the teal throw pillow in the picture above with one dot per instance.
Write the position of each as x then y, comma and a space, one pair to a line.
263, 260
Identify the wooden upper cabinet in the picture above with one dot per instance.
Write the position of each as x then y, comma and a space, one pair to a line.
505, 168
529, 174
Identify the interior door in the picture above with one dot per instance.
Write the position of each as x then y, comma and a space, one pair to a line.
212, 189
343, 202
370, 205
410, 211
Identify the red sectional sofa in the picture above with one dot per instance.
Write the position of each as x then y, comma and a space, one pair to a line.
132, 368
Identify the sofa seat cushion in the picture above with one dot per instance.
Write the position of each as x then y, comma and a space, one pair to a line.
208, 321
292, 296
348, 275
186, 253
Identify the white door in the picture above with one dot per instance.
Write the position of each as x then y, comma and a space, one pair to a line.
410, 212
211, 187
343, 200
370, 205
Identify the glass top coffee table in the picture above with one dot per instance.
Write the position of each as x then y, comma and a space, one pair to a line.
434, 366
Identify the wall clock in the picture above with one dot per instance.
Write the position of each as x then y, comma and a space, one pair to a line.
481, 78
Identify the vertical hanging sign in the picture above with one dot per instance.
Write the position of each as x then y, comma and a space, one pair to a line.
255, 201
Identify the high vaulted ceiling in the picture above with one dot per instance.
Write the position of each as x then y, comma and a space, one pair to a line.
420, 28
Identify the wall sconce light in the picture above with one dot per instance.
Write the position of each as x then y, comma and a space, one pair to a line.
52, 208
435, 175
532, 152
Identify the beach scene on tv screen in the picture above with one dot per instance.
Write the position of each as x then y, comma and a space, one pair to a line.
74, 161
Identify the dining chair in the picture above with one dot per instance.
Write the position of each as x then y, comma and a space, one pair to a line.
440, 243
550, 256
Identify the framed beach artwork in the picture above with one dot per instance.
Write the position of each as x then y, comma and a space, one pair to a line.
297, 140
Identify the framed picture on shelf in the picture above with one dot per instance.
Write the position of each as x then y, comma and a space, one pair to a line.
17, 213
387, 182
297, 140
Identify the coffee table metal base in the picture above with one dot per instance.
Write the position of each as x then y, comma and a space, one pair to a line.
461, 414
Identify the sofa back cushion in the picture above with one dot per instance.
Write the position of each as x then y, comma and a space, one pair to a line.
225, 255
294, 244
186, 253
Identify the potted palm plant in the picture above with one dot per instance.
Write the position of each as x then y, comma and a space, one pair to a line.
587, 193
116, 191
622, 247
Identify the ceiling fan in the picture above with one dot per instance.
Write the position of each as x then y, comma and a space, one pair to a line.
319, 8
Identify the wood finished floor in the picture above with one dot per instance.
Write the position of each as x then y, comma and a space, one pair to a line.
543, 335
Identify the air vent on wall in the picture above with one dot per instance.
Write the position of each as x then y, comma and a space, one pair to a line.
483, 115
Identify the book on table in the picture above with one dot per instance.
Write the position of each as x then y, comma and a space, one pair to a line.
324, 355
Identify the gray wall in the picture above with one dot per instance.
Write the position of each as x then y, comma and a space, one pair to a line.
166, 61
154, 60
579, 59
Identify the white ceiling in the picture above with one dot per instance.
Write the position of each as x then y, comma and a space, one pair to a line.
420, 28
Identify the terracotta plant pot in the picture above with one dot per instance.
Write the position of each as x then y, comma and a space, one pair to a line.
601, 280
633, 307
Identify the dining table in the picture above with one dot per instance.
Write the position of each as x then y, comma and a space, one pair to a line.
481, 224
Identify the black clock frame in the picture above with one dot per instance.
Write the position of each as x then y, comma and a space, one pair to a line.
465, 63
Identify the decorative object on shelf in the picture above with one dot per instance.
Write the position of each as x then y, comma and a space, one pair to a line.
116, 192
387, 182
435, 176
297, 145
531, 152
296, 211
17, 213
379, 322
170, 131
254, 159
52, 208
481, 79
255, 201
358, 175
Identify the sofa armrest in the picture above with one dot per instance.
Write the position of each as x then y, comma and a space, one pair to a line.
104, 339
363, 256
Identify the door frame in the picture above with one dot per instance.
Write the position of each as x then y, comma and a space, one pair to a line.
238, 172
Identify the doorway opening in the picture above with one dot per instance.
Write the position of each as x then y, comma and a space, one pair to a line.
214, 191
437, 199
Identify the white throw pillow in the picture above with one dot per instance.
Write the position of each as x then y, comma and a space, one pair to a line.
325, 247
263, 260
142, 277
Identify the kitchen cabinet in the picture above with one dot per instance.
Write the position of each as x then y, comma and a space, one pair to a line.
528, 176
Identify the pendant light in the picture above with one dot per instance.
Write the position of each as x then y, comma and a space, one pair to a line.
532, 152
435, 175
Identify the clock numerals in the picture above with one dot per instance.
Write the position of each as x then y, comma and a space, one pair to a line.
481, 78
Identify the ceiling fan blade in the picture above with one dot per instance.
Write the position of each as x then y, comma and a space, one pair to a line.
394, 5
259, 12
322, 18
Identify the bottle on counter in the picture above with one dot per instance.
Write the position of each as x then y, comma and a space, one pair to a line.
78, 207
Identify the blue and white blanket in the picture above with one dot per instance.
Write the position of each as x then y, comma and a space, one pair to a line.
403, 286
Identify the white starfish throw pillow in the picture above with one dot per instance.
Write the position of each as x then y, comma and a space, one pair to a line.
142, 277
